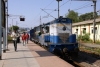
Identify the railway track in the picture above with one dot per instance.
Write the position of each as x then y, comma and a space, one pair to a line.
74, 63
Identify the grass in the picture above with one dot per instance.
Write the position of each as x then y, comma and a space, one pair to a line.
89, 49
90, 41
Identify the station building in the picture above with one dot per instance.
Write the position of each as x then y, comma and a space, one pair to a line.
80, 28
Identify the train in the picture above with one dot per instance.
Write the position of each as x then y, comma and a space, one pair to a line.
57, 36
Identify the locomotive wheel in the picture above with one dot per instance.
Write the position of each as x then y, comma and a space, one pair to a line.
65, 50
66, 54
58, 52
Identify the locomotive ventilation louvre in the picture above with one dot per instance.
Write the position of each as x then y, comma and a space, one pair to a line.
63, 36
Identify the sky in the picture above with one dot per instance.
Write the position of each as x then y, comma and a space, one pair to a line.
31, 10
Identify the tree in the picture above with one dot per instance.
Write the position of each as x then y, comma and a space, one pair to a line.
72, 15
87, 16
15, 28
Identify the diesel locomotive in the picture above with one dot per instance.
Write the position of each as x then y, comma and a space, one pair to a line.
56, 36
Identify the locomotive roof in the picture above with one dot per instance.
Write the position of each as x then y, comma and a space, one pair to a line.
55, 21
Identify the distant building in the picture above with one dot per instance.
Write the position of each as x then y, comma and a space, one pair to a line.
81, 28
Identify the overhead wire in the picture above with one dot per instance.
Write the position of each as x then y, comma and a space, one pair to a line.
70, 5
59, 7
75, 9
83, 4
83, 7
64, 4
49, 4
45, 7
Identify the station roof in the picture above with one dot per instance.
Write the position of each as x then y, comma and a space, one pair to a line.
86, 22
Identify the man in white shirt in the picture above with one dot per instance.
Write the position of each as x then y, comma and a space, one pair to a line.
14, 38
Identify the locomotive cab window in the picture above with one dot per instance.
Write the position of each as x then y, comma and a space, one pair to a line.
47, 29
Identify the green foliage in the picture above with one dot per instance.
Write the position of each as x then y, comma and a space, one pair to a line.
85, 37
87, 16
9, 39
73, 15
14, 28
75, 18
84, 31
79, 37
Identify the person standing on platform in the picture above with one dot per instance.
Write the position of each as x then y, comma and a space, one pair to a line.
14, 38
27, 37
24, 38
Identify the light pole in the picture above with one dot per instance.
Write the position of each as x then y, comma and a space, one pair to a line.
0, 29
58, 7
94, 23
6, 1
7, 28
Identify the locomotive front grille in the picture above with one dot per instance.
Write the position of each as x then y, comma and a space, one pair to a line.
63, 36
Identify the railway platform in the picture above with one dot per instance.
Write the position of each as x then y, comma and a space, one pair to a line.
30, 55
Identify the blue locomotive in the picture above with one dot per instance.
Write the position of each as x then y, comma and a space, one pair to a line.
56, 36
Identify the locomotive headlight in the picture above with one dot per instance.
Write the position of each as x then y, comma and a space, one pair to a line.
64, 28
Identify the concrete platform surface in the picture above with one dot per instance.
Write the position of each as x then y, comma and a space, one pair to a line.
45, 58
21, 58
30, 55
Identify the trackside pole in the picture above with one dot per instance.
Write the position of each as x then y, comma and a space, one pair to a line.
4, 40
0, 30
